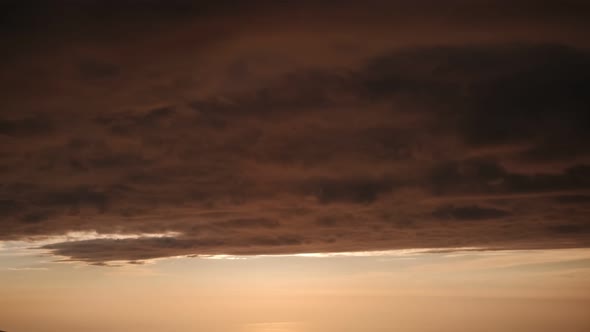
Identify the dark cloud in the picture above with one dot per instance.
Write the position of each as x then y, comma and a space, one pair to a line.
467, 176
495, 95
141, 249
572, 199
35, 217
355, 190
96, 70
472, 212
8, 207
23, 127
570, 229
114, 161
353, 127
481, 176
248, 223
547, 93
335, 220
77, 197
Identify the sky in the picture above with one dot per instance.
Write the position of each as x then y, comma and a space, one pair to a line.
294, 166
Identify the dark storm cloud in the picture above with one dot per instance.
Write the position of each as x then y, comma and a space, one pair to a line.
294, 127
299, 91
482, 176
141, 249
335, 220
8, 207
570, 229
354, 190
572, 199
470, 212
499, 94
126, 122
96, 70
248, 223
35, 217
24, 127
75, 198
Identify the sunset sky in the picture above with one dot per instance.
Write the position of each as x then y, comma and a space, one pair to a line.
294, 166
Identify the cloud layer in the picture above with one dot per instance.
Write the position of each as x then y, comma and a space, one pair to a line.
267, 129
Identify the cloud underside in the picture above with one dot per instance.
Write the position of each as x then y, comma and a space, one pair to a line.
305, 141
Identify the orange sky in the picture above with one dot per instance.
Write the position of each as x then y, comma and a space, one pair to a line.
542, 290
